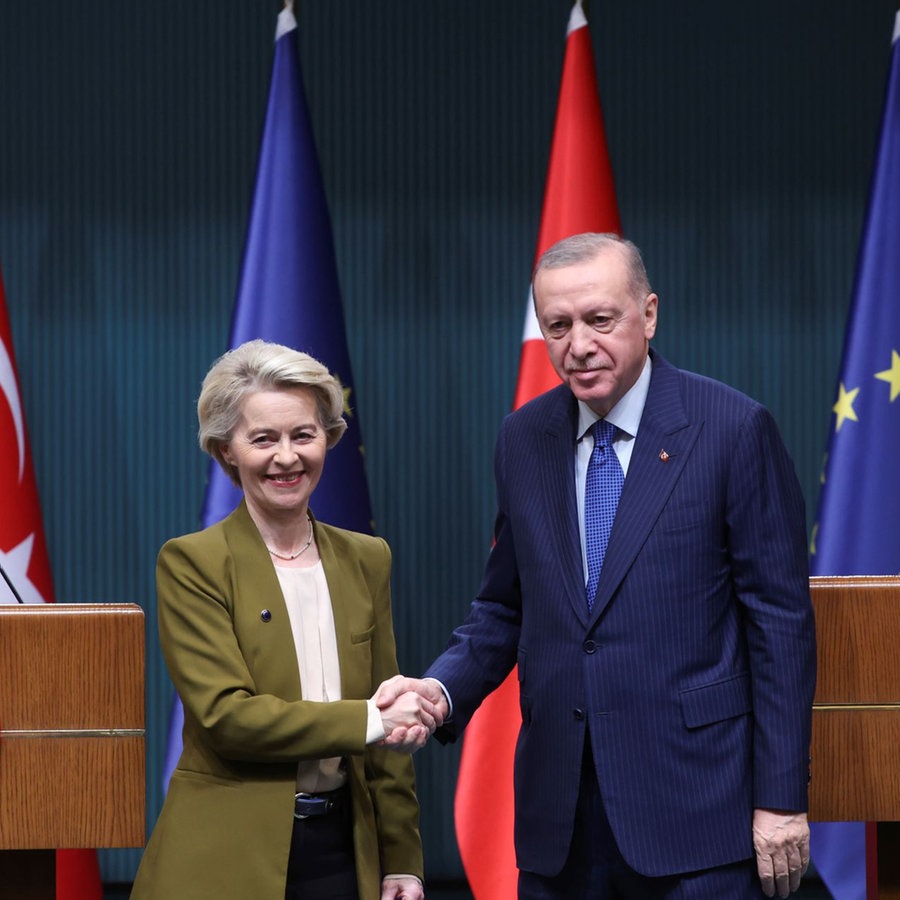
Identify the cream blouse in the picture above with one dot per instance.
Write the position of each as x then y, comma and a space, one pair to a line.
312, 625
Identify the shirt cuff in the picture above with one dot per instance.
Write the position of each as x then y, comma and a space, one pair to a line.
401, 875
374, 724
446, 697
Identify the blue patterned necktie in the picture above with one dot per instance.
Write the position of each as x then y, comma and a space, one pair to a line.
603, 487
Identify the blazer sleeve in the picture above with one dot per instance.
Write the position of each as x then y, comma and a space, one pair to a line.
244, 714
390, 777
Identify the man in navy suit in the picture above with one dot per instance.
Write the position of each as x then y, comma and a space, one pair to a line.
666, 718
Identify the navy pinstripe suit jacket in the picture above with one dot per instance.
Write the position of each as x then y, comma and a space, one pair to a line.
695, 670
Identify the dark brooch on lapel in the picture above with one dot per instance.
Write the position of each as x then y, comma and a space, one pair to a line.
266, 616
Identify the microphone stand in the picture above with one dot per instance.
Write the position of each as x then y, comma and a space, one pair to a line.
12, 587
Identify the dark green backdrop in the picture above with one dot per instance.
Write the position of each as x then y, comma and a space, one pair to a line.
742, 137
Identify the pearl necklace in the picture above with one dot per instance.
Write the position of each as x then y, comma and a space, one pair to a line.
302, 550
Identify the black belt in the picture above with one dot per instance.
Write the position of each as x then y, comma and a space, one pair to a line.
307, 805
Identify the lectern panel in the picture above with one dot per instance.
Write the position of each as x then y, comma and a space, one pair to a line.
856, 712
858, 635
46, 781
855, 771
62, 666
71, 726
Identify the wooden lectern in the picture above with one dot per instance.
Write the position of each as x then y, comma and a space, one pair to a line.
856, 713
71, 736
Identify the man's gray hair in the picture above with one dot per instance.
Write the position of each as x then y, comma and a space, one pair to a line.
579, 248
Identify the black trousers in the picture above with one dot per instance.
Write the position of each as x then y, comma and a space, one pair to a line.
321, 865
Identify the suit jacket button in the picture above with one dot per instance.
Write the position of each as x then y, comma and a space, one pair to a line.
579, 714
589, 646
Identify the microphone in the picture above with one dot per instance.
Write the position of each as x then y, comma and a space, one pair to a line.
12, 587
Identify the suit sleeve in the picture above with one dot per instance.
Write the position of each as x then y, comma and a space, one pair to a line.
767, 544
482, 651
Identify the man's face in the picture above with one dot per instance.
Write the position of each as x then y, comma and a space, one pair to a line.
597, 333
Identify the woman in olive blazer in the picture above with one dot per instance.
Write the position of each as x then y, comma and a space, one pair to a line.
225, 830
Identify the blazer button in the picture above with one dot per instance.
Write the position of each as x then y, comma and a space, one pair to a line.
590, 646
579, 714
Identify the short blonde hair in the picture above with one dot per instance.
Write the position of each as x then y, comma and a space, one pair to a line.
262, 366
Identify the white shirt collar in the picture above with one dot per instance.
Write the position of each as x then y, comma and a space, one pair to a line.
626, 414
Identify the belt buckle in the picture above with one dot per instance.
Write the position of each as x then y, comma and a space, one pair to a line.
315, 806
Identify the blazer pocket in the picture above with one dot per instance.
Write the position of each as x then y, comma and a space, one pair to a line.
191, 775
716, 702
361, 637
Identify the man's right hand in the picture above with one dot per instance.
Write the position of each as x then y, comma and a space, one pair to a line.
411, 709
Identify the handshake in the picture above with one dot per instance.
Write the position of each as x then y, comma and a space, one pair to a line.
411, 710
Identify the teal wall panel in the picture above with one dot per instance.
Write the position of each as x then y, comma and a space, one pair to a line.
742, 140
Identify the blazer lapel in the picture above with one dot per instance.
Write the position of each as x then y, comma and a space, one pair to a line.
345, 593
270, 642
661, 450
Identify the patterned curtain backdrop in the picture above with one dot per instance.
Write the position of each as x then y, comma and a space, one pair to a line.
742, 142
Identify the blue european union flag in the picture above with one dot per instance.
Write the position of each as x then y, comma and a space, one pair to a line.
288, 289
856, 529
288, 292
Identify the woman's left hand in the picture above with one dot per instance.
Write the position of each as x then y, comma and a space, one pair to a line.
402, 887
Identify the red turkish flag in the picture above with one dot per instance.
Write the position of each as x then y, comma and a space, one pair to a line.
23, 555
579, 196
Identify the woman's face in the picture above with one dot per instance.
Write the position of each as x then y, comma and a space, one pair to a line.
278, 448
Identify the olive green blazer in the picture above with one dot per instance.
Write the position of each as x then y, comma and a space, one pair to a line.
225, 828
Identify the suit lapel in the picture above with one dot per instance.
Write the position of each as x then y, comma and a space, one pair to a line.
661, 450
557, 459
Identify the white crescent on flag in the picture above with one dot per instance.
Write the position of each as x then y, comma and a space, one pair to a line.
11, 392
532, 330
